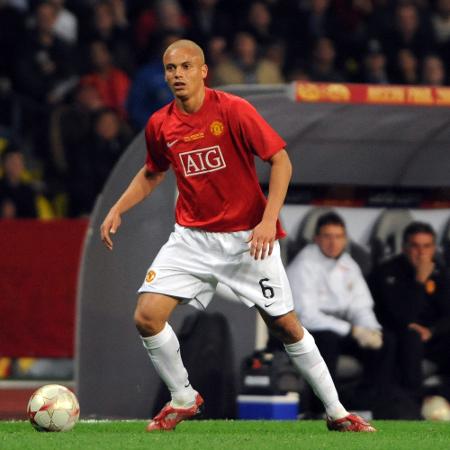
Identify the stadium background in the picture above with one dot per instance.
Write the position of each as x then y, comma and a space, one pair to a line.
275, 42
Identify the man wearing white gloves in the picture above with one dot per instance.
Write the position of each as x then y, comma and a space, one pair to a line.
334, 303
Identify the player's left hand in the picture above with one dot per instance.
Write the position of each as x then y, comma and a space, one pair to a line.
262, 239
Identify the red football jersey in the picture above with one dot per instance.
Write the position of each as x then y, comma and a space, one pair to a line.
212, 154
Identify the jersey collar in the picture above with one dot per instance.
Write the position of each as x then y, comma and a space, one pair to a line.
194, 119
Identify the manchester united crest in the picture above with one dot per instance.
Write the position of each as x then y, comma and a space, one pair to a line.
151, 274
216, 128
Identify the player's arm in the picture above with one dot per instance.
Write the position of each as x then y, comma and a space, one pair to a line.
263, 236
140, 187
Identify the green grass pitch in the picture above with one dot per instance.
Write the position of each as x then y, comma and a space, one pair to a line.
221, 435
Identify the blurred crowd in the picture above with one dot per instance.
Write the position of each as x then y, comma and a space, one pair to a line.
79, 78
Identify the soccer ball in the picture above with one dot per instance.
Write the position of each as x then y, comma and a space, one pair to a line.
53, 408
436, 408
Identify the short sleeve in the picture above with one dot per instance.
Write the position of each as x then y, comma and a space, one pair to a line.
258, 135
156, 160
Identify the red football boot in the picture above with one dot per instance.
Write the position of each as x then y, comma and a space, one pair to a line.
169, 417
352, 422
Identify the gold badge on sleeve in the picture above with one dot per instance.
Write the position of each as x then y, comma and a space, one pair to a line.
151, 274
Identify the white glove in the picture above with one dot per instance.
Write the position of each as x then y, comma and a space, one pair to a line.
367, 338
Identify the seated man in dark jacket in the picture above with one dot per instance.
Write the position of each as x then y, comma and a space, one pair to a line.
412, 300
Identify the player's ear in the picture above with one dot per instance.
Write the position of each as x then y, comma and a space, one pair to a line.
204, 71
165, 71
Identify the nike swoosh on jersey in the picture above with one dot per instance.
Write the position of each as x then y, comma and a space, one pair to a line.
171, 144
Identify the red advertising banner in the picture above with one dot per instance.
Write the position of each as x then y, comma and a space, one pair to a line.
371, 94
38, 276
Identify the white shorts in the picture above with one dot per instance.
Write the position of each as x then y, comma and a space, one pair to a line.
193, 261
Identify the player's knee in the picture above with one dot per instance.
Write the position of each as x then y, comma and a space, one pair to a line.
292, 333
146, 323
288, 329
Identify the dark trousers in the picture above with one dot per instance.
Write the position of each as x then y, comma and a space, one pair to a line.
410, 351
377, 370
377, 364
409, 356
437, 349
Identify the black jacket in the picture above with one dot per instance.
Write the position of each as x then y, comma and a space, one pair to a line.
401, 300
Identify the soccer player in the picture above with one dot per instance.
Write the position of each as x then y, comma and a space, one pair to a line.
225, 231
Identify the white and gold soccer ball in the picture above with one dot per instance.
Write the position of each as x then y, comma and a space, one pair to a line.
53, 408
436, 408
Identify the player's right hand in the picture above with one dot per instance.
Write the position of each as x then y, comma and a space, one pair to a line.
109, 226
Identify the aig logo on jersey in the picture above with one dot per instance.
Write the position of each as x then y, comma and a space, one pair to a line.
203, 160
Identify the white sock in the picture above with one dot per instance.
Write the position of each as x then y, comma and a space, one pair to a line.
309, 362
164, 351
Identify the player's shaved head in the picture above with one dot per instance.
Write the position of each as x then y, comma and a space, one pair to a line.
185, 72
186, 44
